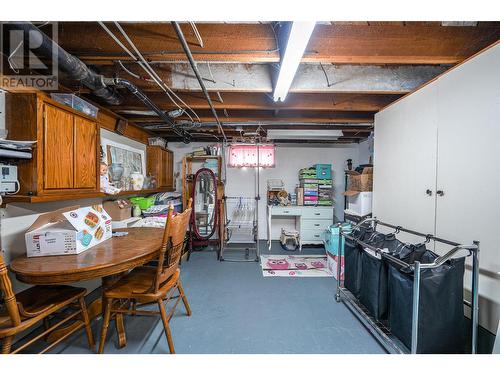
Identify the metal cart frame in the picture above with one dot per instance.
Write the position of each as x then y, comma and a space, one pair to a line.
254, 227
227, 223
377, 328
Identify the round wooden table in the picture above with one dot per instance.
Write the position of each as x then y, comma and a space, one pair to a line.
106, 261
110, 257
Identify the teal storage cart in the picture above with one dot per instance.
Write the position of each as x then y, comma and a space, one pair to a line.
332, 237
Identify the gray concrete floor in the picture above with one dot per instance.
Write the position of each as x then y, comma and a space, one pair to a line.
237, 310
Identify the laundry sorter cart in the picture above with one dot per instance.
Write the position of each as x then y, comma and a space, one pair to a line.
241, 228
417, 321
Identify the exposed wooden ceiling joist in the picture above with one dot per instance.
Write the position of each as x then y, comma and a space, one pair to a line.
350, 70
373, 43
261, 101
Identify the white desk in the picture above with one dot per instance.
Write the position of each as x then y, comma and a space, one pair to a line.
310, 221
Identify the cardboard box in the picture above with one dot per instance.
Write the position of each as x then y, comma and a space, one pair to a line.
119, 210
300, 196
358, 182
68, 231
332, 262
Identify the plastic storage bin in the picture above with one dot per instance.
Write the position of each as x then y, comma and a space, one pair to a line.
361, 203
143, 202
75, 102
323, 171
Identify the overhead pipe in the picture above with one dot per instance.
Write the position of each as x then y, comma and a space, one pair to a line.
97, 83
186, 137
68, 63
192, 62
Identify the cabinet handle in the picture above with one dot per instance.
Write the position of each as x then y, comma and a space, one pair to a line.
316, 225
316, 235
285, 212
317, 213
428, 192
440, 193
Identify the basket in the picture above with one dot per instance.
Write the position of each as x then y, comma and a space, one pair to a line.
143, 202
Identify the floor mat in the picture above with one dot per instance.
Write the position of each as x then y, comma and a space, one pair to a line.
294, 266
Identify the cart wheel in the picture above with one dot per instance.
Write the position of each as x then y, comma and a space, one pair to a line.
337, 297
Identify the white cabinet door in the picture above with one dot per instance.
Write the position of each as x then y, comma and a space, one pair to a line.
469, 169
405, 161
469, 155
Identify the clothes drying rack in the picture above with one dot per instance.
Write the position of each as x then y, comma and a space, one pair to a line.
241, 227
380, 331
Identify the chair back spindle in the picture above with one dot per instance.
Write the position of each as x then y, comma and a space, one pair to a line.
172, 245
9, 295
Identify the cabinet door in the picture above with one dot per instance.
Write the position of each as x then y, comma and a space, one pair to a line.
154, 163
405, 162
468, 156
58, 148
169, 172
85, 159
164, 163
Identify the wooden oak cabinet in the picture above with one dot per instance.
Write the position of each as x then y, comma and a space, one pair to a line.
66, 154
160, 163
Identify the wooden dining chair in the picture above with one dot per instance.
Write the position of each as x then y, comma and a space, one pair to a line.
152, 284
37, 304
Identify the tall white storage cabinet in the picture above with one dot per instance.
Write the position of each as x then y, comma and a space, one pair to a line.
437, 166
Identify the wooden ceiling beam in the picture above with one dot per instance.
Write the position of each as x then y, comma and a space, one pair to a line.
221, 41
346, 129
259, 101
248, 118
372, 43
397, 44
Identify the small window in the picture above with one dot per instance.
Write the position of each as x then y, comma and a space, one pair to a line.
247, 155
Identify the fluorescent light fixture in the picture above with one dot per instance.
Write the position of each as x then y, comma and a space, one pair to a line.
300, 34
304, 134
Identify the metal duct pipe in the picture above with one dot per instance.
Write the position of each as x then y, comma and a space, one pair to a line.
70, 64
143, 98
99, 84
189, 55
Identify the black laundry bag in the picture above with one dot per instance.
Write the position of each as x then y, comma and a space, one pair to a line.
373, 290
441, 312
352, 259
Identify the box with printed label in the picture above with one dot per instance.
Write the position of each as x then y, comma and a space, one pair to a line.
68, 231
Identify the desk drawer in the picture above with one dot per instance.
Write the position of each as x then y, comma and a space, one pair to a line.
312, 235
285, 211
318, 213
314, 224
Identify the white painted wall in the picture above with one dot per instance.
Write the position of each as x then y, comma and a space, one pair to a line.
289, 159
445, 136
